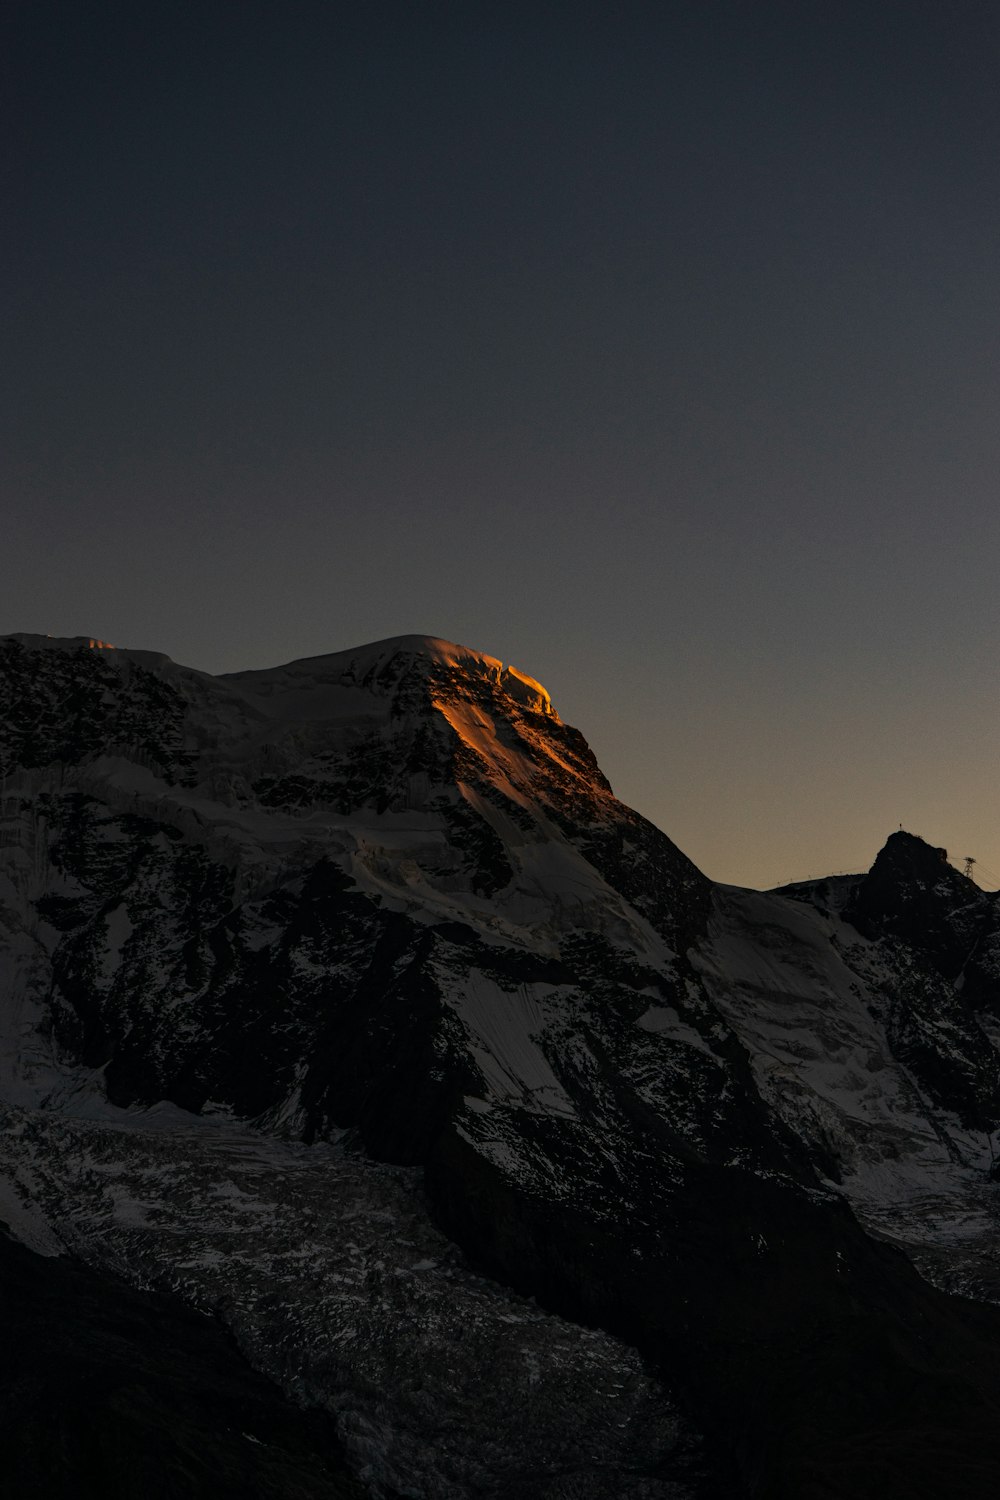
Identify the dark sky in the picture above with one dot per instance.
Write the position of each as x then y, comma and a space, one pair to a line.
653, 347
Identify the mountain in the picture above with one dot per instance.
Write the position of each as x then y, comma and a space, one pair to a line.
344, 1002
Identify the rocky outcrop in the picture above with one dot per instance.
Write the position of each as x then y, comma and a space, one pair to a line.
913, 894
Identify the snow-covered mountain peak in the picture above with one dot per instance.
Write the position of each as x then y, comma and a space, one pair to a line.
377, 667
71, 644
380, 665
58, 642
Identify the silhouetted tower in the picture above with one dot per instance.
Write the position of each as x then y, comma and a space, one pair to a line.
967, 869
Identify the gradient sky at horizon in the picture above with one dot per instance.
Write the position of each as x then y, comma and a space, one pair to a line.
653, 348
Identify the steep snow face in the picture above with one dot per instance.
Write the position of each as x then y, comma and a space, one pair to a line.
806, 995
869, 1056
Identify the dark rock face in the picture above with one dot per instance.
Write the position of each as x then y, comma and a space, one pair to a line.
813, 1355
388, 898
62, 708
935, 927
912, 893
107, 1391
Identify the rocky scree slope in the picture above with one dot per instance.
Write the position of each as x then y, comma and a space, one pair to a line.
374, 924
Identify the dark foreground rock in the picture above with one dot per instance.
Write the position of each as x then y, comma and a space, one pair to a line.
816, 1358
108, 1393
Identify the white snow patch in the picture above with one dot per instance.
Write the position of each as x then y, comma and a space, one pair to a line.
504, 1026
822, 1061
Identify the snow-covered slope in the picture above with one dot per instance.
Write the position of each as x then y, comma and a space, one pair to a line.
305, 969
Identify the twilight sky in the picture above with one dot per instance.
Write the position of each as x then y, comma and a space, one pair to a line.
652, 347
